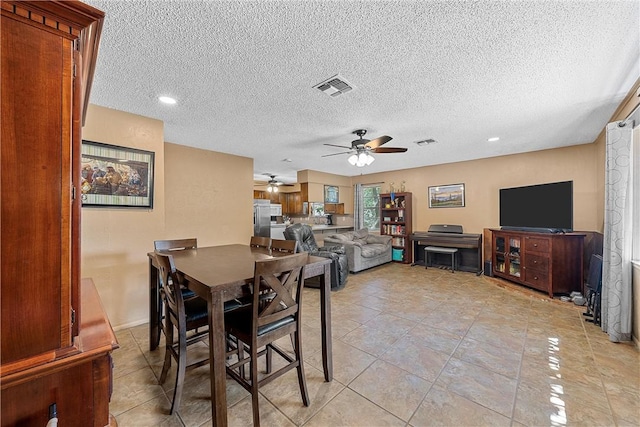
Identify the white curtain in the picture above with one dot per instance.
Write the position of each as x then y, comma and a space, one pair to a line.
358, 220
616, 280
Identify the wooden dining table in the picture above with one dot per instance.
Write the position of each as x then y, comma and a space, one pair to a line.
222, 273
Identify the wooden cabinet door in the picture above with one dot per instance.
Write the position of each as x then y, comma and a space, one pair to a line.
36, 210
295, 205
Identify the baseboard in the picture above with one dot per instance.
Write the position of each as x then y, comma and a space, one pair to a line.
130, 324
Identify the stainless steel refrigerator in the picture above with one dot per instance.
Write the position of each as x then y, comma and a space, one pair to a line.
261, 218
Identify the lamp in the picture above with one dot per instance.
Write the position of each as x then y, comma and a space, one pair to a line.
361, 158
272, 188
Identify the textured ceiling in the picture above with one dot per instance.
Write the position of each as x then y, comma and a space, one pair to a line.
538, 74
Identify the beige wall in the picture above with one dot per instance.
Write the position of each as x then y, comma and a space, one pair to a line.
483, 178
210, 198
115, 241
317, 180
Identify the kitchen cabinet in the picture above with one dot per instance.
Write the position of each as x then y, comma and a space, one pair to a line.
334, 208
52, 326
396, 221
291, 203
551, 263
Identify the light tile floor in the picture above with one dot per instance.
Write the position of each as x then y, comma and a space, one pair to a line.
415, 347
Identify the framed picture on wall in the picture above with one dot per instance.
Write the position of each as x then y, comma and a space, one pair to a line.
446, 196
330, 194
114, 176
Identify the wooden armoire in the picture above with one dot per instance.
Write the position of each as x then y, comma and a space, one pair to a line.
56, 340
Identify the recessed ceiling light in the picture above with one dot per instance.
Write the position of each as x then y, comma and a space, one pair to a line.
167, 100
494, 139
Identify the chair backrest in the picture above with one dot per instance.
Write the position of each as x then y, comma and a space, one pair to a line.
289, 246
303, 234
175, 245
283, 277
594, 279
260, 242
170, 288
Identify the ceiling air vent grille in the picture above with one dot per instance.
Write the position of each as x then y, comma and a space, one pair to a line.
334, 86
425, 142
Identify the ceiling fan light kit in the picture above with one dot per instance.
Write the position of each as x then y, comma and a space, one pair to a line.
361, 159
361, 149
273, 184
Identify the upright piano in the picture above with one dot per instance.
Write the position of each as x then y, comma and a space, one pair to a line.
449, 236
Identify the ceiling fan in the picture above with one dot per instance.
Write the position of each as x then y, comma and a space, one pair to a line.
361, 149
273, 183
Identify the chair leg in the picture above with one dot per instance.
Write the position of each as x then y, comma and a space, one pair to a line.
167, 352
301, 378
253, 366
180, 374
269, 358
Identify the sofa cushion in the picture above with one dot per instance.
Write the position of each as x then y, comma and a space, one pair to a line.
373, 249
346, 237
360, 236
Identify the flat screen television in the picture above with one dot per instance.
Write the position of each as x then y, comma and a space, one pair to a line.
542, 207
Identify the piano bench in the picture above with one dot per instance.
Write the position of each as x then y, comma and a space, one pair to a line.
438, 250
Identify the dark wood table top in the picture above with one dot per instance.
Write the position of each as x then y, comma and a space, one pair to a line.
226, 266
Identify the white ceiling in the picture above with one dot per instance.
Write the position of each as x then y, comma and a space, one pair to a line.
538, 74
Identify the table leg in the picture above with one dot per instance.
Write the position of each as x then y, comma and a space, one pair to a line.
155, 307
325, 315
217, 357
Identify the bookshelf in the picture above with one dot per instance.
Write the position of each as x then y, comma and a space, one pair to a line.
395, 221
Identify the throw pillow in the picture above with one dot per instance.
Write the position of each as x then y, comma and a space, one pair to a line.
360, 234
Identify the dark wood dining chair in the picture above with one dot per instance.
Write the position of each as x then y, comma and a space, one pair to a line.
175, 245
190, 319
266, 321
170, 246
260, 242
187, 317
288, 246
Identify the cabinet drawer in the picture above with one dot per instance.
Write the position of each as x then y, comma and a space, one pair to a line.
537, 279
537, 262
537, 244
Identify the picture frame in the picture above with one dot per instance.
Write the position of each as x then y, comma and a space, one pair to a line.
331, 194
114, 176
446, 196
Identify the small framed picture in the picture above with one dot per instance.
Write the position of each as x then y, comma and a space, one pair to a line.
114, 176
331, 194
446, 196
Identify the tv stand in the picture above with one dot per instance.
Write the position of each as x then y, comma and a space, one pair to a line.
549, 262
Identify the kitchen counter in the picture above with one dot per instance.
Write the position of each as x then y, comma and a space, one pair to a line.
323, 228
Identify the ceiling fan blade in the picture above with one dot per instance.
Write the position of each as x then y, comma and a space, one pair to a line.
375, 143
335, 154
380, 150
339, 146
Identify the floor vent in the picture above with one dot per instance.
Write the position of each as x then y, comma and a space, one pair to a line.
334, 86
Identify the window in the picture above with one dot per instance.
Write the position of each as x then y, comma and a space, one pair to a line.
371, 206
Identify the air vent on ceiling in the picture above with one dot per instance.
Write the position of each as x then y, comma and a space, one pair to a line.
334, 86
426, 141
